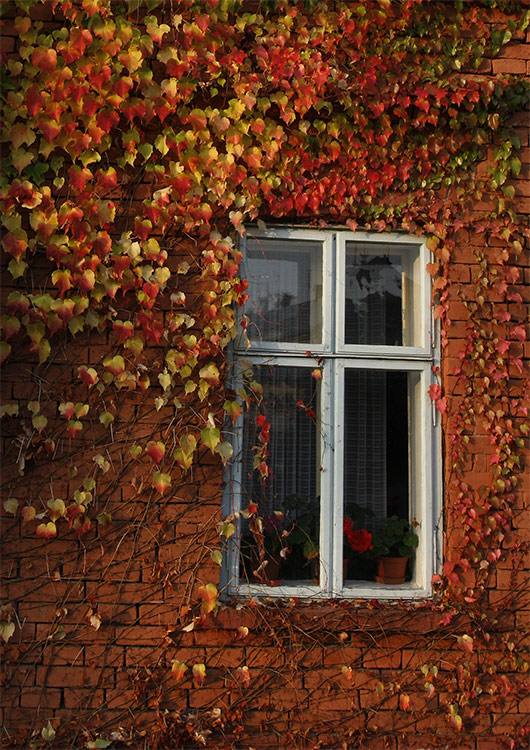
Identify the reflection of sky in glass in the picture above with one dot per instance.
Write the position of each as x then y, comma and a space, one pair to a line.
283, 304
272, 282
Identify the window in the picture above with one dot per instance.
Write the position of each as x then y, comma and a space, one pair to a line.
338, 335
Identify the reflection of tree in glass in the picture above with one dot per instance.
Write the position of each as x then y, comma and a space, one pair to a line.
373, 312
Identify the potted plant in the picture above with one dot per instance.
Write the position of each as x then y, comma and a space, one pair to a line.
393, 545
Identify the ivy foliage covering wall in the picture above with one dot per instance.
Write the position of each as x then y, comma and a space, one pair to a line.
141, 137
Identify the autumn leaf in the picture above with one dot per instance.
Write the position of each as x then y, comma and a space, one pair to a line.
155, 450
88, 375
199, 674
161, 482
208, 595
233, 409
47, 530
178, 670
210, 437
6, 630
466, 642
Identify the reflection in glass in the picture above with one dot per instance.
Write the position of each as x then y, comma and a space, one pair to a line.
285, 290
376, 454
378, 294
289, 501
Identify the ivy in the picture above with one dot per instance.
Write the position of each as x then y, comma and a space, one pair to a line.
142, 138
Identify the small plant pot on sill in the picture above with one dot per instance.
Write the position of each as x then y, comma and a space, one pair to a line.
391, 570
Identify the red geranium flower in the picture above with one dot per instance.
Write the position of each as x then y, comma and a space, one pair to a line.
359, 540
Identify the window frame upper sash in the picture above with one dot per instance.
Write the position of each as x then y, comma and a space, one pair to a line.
333, 297
421, 301
328, 269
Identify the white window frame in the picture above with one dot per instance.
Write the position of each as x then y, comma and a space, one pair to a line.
334, 357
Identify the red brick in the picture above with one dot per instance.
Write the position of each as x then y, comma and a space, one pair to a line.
40, 699
342, 655
336, 705
77, 699
508, 66
383, 658
209, 697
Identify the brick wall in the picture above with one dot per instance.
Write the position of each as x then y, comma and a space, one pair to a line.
100, 619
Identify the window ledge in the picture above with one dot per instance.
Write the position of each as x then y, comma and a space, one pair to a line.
358, 590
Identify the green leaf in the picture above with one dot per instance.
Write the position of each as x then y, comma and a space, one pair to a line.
106, 418
225, 450
44, 350
210, 437
11, 505
226, 529
217, 556
17, 268
145, 149
39, 422
515, 165
135, 450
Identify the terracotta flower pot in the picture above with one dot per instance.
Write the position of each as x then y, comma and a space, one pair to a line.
391, 569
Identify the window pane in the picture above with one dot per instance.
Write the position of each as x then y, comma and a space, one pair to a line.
379, 305
289, 501
377, 446
285, 290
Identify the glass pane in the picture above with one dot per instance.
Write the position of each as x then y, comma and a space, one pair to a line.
288, 502
377, 445
284, 290
379, 304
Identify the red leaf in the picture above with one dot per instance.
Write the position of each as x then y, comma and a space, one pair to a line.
106, 119
44, 58
441, 404
404, 702
156, 450
88, 375
50, 128
124, 330
435, 391
15, 243
519, 332
102, 245
106, 179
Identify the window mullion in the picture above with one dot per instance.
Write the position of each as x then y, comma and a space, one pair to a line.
326, 469
338, 475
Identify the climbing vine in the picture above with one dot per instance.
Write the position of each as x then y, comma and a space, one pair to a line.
142, 137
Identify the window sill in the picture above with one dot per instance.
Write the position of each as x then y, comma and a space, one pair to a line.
355, 590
